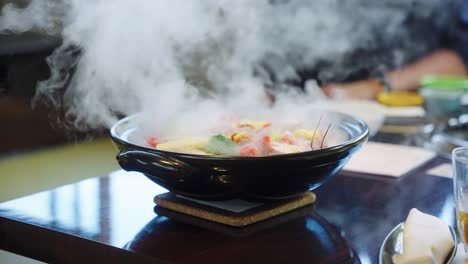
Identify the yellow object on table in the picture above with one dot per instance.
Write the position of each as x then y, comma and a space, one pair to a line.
400, 99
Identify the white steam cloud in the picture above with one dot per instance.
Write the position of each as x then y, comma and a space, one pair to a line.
165, 57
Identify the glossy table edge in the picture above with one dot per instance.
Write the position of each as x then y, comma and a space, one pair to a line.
56, 243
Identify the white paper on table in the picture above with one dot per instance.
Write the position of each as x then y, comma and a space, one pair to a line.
443, 170
387, 159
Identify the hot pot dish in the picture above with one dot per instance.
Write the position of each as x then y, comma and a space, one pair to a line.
243, 158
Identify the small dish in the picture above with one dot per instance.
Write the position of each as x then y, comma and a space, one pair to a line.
393, 244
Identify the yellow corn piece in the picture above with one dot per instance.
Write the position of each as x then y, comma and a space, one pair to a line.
307, 134
183, 144
283, 148
253, 124
237, 137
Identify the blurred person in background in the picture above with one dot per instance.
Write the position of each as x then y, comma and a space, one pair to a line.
399, 42
435, 42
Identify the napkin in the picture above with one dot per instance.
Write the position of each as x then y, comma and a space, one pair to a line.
387, 159
426, 239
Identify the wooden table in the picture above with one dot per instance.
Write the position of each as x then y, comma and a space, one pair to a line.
111, 219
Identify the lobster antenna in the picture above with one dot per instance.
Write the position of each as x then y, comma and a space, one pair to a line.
326, 132
315, 131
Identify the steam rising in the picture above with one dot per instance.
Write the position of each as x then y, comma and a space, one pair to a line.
167, 57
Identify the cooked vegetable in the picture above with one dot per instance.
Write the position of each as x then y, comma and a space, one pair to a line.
183, 144
283, 148
236, 137
222, 145
275, 135
254, 124
306, 134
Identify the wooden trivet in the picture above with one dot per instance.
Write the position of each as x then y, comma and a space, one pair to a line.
218, 214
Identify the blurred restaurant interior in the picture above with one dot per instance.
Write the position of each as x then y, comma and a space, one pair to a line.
374, 94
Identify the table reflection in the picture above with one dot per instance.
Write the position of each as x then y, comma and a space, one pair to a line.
366, 209
118, 210
310, 238
107, 209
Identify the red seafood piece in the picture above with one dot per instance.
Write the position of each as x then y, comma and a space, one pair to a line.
287, 139
152, 141
249, 150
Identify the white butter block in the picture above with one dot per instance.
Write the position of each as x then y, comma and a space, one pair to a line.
426, 239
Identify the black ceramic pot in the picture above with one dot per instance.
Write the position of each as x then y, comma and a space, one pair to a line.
225, 177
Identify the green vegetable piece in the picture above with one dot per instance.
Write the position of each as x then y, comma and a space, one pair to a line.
221, 145
275, 135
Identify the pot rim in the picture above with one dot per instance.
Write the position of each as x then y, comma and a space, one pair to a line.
350, 143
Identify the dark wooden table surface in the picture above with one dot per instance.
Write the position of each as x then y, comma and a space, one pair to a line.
112, 219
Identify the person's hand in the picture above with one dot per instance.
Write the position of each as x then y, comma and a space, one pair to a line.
361, 90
